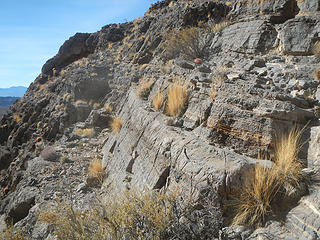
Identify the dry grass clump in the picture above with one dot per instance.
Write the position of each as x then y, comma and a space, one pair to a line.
17, 118
137, 216
108, 108
267, 184
80, 102
86, 132
177, 98
157, 100
188, 42
116, 124
95, 169
213, 93
12, 233
218, 27
316, 73
316, 49
144, 87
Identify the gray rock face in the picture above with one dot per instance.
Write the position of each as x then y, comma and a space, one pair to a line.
298, 36
246, 37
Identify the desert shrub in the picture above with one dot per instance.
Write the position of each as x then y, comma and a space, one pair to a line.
220, 75
316, 49
266, 185
144, 87
157, 100
116, 124
85, 132
218, 27
177, 98
49, 154
188, 42
316, 73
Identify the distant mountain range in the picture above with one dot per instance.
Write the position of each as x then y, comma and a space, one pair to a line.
13, 91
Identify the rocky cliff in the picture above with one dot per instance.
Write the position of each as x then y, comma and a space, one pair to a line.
249, 71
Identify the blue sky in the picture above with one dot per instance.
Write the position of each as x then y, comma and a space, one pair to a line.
31, 31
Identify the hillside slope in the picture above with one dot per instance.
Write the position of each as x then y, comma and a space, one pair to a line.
246, 73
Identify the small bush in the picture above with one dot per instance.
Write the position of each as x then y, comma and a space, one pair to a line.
144, 87
86, 132
157, 100
17, 118
218, 27
188, 42
220, 75
177, 98
116, 124
49, 154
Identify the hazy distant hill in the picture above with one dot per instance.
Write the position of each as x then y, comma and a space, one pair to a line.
13, 91
5, 103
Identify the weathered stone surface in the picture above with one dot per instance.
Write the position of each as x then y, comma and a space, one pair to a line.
246, 37
298, 36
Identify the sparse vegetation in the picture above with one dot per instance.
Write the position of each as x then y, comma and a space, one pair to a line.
220, 75
17, 118
265, 185
108, 108
136, 216
85, 132
80, 102
218, 27
144, 87
116, 124
95, 168
177, 98
189, 42
157, 100
12, 233
316, 73
213, 93
316, 49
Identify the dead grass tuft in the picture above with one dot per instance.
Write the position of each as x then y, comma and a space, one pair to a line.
17, 118
95, 169
116, 124
86, 132
177, 98
213, 93
108, 108
316, 73
144, 87
265, 185
218, 27
157, 100
12, 233
316, 49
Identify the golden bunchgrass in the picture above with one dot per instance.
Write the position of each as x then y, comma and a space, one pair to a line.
85, 132
316, 73
12, 233
218, 27
116, 124
157, 100
95, 169
177, 98
108, 108
265, 184
144, 87
213, 93
17, 118
132, 216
